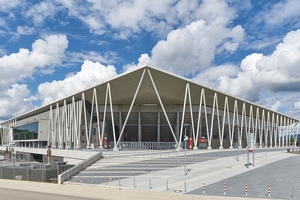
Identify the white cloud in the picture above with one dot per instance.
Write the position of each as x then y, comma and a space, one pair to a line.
91, 74
25, 30
16, 98
45, 52
42, 11
123, 19
7, 5
297, 105
213, 75
271, 74
191, 49
283, 12
276, 106
106, 57
15, 101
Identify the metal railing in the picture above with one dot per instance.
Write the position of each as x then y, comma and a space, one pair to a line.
78, 167
146, 145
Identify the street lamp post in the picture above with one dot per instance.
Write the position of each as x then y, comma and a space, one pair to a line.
185, 139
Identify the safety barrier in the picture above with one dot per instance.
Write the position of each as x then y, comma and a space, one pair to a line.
146, 145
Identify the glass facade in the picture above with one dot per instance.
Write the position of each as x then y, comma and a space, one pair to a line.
26, 132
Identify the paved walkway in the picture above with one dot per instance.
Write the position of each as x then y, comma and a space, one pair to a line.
160, 175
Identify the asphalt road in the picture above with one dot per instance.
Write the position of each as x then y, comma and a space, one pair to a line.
11, 194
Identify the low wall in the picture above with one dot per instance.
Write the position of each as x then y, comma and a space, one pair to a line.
72, 156
78, 167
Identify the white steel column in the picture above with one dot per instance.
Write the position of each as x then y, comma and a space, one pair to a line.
235, 117
112, 119
130, 108
183, 114
242, 127
163, 108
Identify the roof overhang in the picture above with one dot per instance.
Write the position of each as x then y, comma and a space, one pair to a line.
171, 89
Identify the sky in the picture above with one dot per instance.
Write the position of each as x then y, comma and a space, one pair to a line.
53, 48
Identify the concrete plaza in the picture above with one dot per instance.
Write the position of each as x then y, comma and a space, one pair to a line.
160, 175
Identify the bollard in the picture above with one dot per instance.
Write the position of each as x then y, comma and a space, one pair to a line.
134, 182
224, 189
105, 180
119, 182
167, 185
203, 188
150, 187
246, 189
269, 190
184, 186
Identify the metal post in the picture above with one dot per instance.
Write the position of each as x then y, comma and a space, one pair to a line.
43, 173
253, 157
185, 151
134, 182
27, 171
248, 157
1, 168
184, 186
167, 186
150, 187
238, 156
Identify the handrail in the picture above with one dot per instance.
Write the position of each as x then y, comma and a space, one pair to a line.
78, 167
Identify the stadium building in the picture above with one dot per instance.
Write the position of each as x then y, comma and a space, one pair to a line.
148, 108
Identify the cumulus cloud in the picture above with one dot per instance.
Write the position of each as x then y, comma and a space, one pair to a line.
192, 49
90, 74
15, 101
45, 52
213, 75
16, 67
130, 17
276, 72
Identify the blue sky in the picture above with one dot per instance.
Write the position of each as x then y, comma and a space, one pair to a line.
53, 48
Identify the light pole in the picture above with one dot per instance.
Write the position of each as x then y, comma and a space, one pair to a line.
185, 139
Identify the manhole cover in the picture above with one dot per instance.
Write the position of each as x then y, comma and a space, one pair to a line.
177, 191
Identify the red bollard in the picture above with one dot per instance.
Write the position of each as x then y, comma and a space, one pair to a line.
203, 188
224, 189
269, 190
246, 189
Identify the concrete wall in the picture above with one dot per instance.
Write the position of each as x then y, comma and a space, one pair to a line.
72, 156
